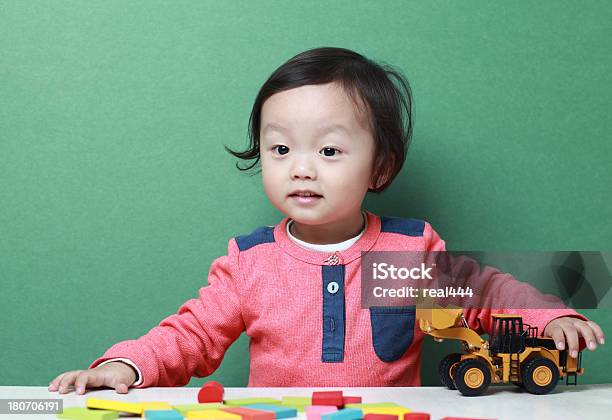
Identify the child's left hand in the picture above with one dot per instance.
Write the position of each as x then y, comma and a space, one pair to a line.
570, 328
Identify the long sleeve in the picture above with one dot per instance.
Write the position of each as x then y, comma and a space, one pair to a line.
499, 293
193, 341
138, 379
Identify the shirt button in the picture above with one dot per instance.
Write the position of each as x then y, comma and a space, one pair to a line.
333, 287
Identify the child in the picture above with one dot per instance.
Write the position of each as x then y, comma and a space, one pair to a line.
328, 126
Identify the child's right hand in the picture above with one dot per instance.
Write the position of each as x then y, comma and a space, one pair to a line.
114, 374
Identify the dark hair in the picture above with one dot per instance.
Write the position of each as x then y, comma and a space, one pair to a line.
383, 91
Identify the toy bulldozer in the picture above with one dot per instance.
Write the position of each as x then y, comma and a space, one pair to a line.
514, 353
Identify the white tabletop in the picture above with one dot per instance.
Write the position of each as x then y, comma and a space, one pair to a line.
584, 402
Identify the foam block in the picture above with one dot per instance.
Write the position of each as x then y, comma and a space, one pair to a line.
372, 416
345, 414
155, 406
314, 412
248, 401
211, 392
123, 407
184, 408
416, 416
395, 411
212, 415
81, 413
163, 415
328, 398
351, 400
280, 412
250, 414
299, 403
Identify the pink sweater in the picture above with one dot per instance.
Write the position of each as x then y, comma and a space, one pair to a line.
303, 331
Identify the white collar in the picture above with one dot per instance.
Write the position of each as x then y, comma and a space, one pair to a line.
341, 246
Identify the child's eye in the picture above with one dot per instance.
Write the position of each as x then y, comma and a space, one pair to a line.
282, 150
330, 151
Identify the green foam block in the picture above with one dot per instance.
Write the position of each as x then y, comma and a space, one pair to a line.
299, 403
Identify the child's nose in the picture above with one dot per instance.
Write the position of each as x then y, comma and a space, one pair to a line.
303, 169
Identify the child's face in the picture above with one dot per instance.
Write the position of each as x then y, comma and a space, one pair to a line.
314, 138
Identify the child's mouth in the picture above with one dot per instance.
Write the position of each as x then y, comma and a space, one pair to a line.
305, 198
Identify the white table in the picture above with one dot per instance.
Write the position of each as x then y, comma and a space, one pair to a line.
585, 402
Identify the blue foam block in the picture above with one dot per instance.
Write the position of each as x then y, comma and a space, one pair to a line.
163, 415
346, 414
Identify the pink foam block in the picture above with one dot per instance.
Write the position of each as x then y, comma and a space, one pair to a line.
314, 412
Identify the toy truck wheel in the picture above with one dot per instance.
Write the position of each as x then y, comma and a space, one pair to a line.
472, 377
444, 369
540, 376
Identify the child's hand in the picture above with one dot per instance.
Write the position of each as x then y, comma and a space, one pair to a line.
115, 375
570, 328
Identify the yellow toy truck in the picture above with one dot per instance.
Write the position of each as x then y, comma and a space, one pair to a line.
513, 353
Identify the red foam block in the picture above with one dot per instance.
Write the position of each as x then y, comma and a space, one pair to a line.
250, 414
416, 416
211, 392
373, 416
328, 398
351, 400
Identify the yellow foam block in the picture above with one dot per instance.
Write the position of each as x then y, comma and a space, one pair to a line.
124, 407
396, 411
155, 405
185, 408
212, 415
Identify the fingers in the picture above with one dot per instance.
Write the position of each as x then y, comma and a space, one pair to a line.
601, 339
91, 378
121, 388
67, 380
556, 332
55, 382
571, 330
587, 332
571, 337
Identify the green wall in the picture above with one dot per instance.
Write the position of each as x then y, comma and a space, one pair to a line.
116, 193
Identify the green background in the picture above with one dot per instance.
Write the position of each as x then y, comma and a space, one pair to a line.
116, 193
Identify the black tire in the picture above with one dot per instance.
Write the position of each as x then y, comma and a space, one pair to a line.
444, 369
540, 376
472, 377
